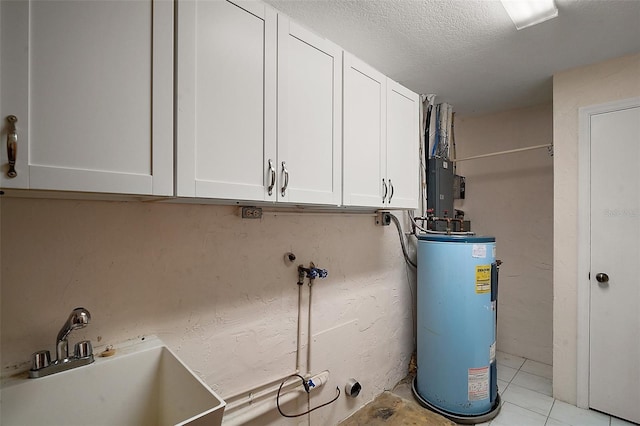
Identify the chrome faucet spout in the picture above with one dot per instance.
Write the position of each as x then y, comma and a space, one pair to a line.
83, 353
79, 318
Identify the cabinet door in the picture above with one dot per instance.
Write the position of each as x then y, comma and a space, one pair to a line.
365, 116
91, 85
226, 99
309, 116
403, 110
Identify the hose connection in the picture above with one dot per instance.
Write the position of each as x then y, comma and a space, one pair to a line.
311, 272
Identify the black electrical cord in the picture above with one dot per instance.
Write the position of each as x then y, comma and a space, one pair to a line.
306, 388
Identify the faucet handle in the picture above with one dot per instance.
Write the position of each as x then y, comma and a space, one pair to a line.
41, 359
83, 349
317, 273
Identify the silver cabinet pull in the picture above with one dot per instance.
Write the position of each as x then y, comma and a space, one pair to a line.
285, 172
272, 174
12, 145
384, 194
391, 194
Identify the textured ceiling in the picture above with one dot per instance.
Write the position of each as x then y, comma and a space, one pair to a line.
468, 52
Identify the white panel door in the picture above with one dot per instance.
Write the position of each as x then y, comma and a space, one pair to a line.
614, 353
91, 84
365, 132
403, 140
226, 99
309, 116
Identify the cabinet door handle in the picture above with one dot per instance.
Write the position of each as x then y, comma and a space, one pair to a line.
285, 173
12, 145
391, 188
272, 177
384, 194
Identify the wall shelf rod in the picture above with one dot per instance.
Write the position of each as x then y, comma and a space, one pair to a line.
511, 151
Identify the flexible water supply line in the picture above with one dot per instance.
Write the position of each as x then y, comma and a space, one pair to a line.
403, 242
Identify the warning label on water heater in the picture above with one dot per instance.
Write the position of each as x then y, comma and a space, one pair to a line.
478, 383
483, 279
479, 251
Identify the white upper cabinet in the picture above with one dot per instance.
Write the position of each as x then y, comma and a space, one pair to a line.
309, 116
91, 86
403, 146
381, 139
365, 122
235, 141
88, 94
226, 100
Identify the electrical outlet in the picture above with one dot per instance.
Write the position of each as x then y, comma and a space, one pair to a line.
252, 213
383, 219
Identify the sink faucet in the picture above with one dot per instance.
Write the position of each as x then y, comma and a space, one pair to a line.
79, 318
83, 353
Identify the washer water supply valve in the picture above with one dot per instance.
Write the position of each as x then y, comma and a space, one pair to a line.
311, 272
314, 273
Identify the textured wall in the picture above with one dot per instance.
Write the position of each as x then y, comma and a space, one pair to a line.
573, 89
511, 197
214, 287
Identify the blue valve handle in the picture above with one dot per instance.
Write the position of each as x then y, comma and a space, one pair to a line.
313, 273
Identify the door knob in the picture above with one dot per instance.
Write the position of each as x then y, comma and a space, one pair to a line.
601, 277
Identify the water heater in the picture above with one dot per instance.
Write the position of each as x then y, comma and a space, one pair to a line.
456, 327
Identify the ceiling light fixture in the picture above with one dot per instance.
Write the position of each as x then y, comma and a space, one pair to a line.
525, 13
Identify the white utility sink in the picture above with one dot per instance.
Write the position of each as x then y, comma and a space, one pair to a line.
142, 384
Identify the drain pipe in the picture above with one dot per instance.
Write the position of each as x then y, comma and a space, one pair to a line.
309, 329
236, 400
263, 402
298, 339
312, 273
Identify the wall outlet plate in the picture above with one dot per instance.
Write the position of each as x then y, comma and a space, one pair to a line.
383, 218
251, 212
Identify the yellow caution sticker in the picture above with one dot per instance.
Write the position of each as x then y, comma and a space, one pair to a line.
483, 279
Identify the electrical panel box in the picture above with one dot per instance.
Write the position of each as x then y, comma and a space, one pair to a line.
459, 187
440, 189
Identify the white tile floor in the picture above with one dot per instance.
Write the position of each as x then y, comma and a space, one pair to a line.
525, 389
